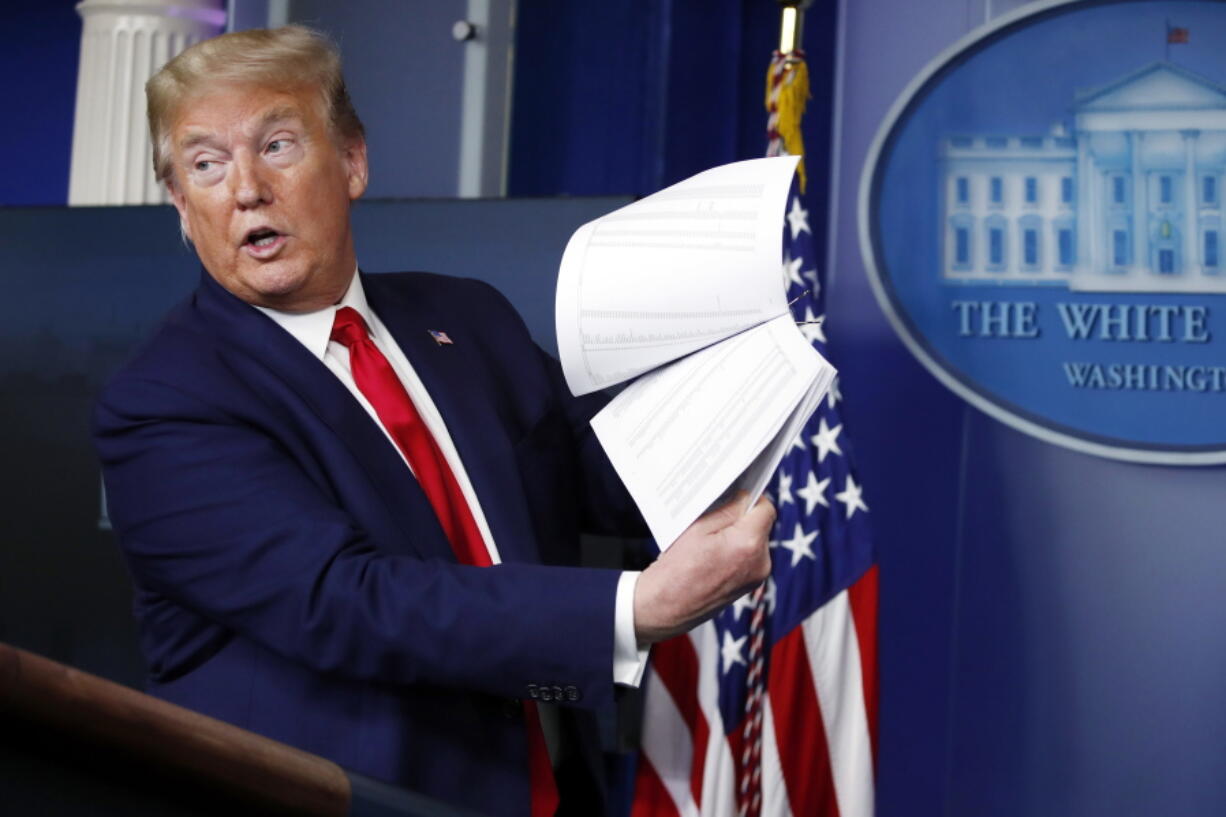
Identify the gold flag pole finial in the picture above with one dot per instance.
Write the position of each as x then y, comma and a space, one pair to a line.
792, 24
787, 87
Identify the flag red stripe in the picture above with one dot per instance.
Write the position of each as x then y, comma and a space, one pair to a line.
651, 799
803, 753
676, 663
862, 597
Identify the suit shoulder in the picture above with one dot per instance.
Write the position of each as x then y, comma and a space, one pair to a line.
179, 356
433, 286
449, 295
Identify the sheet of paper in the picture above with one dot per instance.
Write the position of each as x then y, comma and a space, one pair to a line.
672, 273
681, 435
755, 478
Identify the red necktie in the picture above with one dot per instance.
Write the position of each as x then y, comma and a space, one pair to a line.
381, 386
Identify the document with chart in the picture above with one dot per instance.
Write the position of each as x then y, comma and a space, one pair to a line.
683, 290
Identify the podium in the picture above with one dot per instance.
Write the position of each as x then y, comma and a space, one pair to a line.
74, 743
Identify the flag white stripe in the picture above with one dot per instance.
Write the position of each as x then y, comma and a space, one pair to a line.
774, 789
719, 773
834, 660
668, 744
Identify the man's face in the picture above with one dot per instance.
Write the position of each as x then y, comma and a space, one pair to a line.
263, 191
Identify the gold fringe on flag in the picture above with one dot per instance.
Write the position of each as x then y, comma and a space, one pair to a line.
787, 93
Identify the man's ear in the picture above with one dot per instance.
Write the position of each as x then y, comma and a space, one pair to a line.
356, 169
176, 198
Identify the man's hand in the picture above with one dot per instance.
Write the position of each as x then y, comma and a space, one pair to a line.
718, 559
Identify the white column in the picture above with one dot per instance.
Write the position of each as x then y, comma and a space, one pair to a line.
1140, 204
123, 43
1086, 216
1096, 221
1191, 224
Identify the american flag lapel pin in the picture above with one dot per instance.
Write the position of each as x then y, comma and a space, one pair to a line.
440, 337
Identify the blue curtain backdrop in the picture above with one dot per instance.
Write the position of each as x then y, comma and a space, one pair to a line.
38, 83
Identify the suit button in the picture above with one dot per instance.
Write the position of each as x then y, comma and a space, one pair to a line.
533, 692
572, 693
558, 694
546, 693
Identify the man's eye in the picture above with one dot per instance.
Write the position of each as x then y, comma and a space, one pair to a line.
275, 145
203, 165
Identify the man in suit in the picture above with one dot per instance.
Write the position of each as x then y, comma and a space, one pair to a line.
350, 503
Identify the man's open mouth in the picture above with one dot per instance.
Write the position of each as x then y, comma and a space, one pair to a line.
262, 237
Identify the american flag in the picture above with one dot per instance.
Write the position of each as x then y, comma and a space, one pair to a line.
786, 726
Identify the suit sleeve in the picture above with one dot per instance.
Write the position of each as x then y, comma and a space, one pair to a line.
217, 517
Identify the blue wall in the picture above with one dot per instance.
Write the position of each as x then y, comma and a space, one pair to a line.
404, 72
1049, 620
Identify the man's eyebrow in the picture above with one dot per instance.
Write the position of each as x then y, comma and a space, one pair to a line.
199, 137
195, 138
278, 114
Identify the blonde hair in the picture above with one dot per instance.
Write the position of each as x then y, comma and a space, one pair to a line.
290, 56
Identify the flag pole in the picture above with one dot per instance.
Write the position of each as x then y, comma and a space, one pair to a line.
787, 90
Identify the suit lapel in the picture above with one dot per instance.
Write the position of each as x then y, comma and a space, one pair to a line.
455, 377
252, 338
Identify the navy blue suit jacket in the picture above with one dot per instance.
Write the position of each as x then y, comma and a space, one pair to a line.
291, 577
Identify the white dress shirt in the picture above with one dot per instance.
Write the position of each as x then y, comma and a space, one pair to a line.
314, 330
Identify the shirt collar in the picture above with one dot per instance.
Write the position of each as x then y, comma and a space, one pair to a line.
314, 329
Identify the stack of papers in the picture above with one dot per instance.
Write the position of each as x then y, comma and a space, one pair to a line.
683, 290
